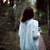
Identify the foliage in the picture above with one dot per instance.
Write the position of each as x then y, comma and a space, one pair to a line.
45, 29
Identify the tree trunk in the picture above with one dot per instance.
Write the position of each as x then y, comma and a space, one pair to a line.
48, 19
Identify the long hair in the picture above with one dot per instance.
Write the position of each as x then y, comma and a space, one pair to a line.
27, 14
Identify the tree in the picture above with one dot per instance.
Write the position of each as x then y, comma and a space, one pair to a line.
48, 18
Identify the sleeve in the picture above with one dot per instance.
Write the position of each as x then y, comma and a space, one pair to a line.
19, 30
35, 32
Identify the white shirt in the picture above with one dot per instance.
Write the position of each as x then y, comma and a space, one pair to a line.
28, 31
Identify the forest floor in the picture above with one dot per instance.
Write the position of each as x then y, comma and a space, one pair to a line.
10, 41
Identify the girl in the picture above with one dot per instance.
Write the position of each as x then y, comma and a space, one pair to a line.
28, 31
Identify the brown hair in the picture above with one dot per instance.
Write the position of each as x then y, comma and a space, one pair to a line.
27, 14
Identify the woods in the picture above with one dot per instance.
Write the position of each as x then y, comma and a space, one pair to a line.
10, 13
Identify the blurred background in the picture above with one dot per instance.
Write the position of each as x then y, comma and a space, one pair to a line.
10, 13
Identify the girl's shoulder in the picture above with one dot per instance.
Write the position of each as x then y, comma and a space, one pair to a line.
32, 21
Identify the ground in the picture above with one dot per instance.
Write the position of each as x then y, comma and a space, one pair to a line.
10, 41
